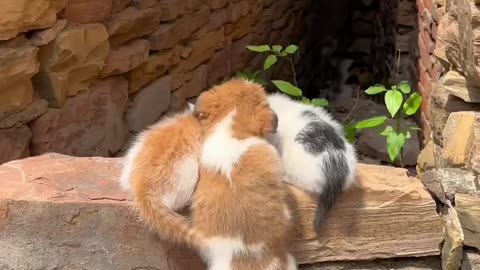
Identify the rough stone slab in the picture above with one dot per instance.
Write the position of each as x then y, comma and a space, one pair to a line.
14, 144
149, 104
32, 111
89, 124
458, 137
468, 208
18, 16
426, 263
71, 62
66, 212
471, 259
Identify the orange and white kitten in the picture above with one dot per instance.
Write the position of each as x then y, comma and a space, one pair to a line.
161, 171
241, 206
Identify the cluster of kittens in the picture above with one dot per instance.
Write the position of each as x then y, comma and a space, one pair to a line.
228, 159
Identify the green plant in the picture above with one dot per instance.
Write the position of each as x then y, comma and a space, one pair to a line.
398, 107
275, 53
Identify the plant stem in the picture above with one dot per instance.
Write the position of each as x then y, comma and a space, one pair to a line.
354, 105
292, 65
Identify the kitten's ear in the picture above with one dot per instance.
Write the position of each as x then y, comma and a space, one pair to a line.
191, 107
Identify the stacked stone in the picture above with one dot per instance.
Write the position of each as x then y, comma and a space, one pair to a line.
454, 114
79, 77
363, 28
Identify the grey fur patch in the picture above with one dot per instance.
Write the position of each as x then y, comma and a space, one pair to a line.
335, 171
318, 136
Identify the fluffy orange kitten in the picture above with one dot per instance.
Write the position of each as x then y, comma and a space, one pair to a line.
161, 171
240, 206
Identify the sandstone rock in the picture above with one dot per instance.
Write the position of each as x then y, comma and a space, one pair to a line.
455, 181
14, 143
372, 144
18, 63
125, 58
218, 18
192, 88
468, 208
204, 47
277, 9
239, 55
87, 11
149, 104
434, 186
63, 206
32, 111
18, 16
132, 23
452, 252
458, 137
172, 9
471, 259
40, 38
119, 5
89, 124
238, 10
442, 103
215, 4
143, 4
240, 28
71, 62
157, 64
424, 263
426, 159
458, 86
461, 48
169, 35
15, 98
475, 159
219, 66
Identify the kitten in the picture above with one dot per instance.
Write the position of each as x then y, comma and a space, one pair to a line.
240, 205
315, 154
161, 171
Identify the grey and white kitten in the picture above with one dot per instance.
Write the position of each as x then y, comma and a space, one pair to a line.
314, 151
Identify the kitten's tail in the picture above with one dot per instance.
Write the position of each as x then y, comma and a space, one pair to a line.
170, 225
335, 172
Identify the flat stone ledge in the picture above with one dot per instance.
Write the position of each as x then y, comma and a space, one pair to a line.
62, 212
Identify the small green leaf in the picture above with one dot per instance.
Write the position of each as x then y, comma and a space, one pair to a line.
386, 131
375, 89
412, 104
277, 48
408, 135
288, 88
259, 49
404, 87
291, 49
269, 61
395, 143
393, 101
371, 122
306, 100
350, 131
394, 87
319, 102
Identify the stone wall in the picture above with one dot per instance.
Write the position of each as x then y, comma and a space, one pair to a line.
80, 76
450, 163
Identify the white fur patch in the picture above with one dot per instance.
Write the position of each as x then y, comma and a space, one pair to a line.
185, 179
220, 251
221, 151
291, 262
128, 163
287, 212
